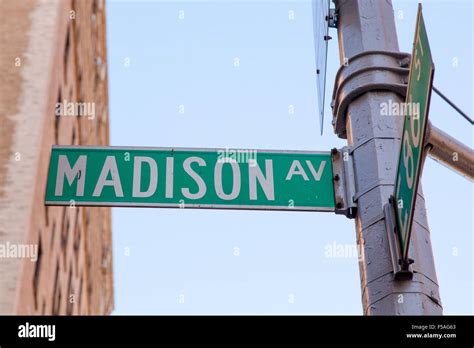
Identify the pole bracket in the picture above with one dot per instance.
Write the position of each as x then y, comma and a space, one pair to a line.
366, 72
344, 182
332, 18
402, 269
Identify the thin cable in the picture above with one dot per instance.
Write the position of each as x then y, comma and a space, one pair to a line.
453, 105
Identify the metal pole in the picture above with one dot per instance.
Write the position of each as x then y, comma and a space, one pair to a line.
450, 152
376, 73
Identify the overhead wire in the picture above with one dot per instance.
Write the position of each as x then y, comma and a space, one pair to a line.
446, 99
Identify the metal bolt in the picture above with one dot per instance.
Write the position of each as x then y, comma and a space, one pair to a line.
405, 62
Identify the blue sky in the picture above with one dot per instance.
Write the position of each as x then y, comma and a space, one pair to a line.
225, 74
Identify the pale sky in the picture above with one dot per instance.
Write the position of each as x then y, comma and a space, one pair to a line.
167, 56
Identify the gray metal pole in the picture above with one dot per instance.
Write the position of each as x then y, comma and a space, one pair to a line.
368, 39
450, 152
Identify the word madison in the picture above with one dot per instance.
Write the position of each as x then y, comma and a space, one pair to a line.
200, 178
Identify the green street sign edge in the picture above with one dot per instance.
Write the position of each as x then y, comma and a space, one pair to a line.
185, 205
421, 157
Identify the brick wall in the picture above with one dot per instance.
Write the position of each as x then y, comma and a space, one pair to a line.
51, 51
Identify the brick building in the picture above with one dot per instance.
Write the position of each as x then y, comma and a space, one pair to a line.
51, 51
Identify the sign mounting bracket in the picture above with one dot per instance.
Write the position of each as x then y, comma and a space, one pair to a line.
332, 18
402, 269
344, 183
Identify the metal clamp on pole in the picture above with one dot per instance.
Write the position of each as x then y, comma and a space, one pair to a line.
401, 268
344, 183
365, 72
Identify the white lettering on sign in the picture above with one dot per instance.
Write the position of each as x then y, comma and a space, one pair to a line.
297, 169
64, 169
169, 177
255, 173
110, 166
226, 171
137, 174
201, 184
316, 175
235, 183
189, 178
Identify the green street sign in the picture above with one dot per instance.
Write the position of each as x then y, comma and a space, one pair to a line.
410, 161
190, 178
